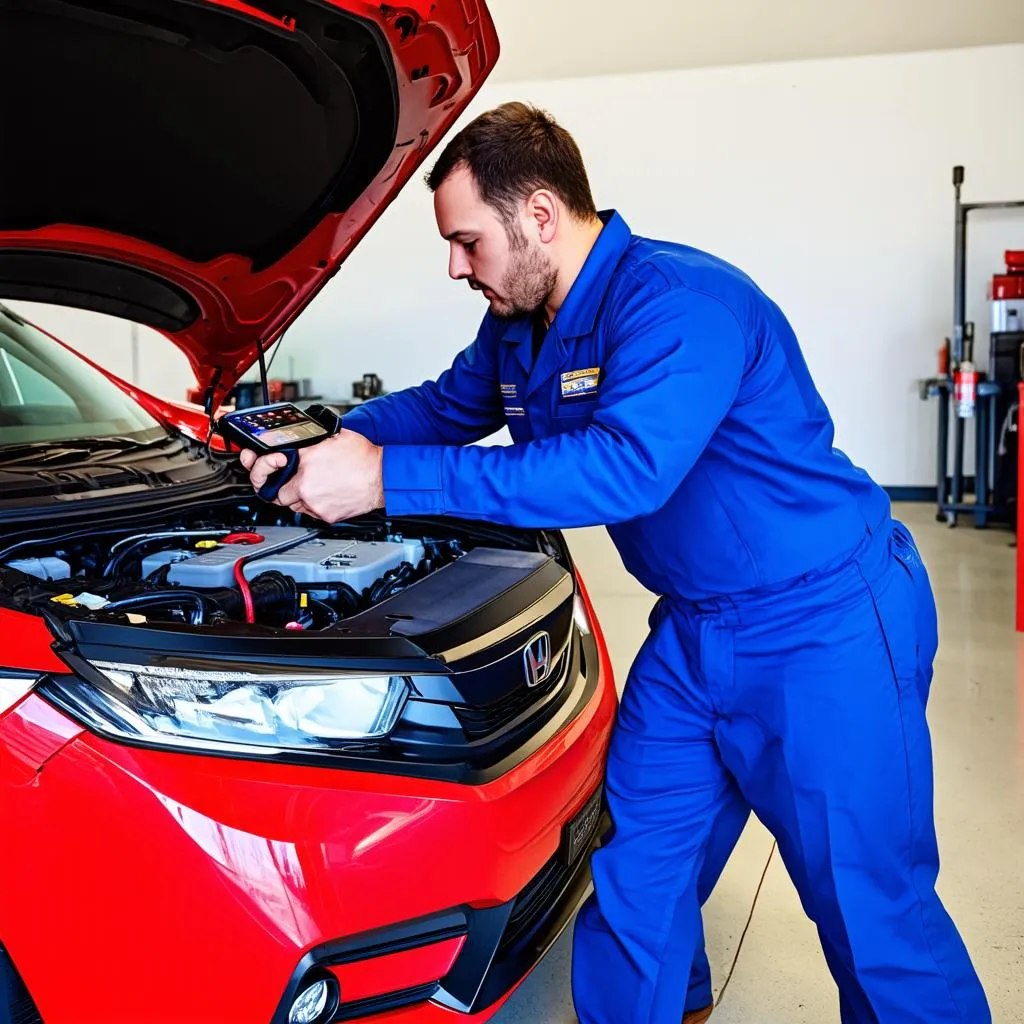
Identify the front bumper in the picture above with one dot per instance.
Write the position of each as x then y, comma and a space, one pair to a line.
148, 885
468, 960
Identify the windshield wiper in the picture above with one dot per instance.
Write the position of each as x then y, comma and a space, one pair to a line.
52, 453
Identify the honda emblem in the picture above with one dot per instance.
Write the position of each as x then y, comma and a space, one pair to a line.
537, 659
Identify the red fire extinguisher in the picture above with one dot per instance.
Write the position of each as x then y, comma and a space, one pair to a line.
965, 389
965, 378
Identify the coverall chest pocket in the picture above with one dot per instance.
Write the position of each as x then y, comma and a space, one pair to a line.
574, 415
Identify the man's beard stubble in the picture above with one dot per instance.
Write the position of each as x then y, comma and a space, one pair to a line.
529, 280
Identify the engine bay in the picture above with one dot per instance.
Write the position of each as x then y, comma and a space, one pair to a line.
238, 564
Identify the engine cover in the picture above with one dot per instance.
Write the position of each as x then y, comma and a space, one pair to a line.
359, 563
304, 555
216, 568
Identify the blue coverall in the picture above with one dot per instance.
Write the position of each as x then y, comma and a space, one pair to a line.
790, 654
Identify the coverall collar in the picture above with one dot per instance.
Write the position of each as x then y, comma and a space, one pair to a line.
578, 314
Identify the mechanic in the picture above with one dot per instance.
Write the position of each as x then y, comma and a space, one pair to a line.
653, 388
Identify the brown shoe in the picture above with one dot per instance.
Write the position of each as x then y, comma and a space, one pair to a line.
698, 1016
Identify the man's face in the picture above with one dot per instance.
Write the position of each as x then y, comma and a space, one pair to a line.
510, 267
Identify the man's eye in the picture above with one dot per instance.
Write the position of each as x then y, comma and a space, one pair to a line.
469, 246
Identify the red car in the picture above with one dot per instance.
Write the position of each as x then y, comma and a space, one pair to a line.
254, 768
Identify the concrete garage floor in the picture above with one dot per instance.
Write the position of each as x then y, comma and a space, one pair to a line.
977, 720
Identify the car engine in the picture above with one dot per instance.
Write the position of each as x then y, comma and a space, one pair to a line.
208, 570
303, 555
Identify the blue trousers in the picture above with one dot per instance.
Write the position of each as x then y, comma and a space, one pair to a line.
805, 704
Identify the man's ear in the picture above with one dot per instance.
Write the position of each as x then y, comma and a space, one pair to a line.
542, 212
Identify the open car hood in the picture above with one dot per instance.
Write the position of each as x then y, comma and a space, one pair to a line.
205, 166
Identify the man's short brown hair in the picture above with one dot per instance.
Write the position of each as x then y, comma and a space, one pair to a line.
512, 151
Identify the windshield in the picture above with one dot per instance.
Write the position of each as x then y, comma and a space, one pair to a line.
48, 394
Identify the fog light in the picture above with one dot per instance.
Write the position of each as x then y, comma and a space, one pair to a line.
310, 1004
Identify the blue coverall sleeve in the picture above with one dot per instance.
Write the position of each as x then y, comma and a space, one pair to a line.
463, 405
678, 361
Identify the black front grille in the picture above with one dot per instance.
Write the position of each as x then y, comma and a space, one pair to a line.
549, 883
480, 722
534, 900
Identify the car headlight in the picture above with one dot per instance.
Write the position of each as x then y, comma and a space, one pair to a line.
237, 709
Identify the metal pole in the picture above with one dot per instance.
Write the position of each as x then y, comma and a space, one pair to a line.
942, 454
959, 271
993, 427
981, 478
956, 487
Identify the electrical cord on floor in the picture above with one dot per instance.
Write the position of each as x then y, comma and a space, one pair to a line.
746, 928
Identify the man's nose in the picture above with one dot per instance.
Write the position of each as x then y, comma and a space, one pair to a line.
458, 265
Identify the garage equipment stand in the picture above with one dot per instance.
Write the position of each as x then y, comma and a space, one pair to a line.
950, 486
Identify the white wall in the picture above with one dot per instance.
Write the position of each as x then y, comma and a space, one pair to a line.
695, 33
827, 181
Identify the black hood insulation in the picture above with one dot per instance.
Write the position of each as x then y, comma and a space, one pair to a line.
200, 129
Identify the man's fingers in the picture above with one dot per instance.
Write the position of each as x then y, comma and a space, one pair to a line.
247, 458
289, 495
264, 466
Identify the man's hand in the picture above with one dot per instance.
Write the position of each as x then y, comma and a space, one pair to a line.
337, 479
